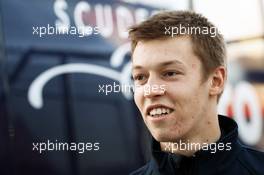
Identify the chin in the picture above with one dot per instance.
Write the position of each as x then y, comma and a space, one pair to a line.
162, 137
166, 137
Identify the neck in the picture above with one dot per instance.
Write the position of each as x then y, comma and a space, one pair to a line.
208, 132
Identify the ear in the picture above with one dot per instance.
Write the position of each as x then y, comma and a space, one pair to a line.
218, 80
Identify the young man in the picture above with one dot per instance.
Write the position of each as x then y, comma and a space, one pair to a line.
181, 59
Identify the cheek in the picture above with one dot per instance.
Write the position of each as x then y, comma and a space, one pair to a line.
185, 98
178, 92
138, 98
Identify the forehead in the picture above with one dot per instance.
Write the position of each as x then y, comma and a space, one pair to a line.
176, 50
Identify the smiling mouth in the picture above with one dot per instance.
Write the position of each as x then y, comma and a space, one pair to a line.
160, 112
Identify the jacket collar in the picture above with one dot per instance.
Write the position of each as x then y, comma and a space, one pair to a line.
164, 161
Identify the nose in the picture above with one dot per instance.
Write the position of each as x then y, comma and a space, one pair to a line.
153, 88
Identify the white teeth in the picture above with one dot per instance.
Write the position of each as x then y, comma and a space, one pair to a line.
159, 111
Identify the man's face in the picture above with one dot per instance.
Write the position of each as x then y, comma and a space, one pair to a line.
173, 109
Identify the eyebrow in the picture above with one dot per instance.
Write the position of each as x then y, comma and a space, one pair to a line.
163, 64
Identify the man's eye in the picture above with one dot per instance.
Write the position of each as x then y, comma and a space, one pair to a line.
170, 74
139, 77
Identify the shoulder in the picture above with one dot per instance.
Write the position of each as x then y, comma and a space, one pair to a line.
253, 155
252, 160
145, 170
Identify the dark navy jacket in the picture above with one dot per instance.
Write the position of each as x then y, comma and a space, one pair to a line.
240, 160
